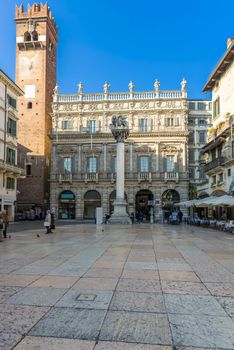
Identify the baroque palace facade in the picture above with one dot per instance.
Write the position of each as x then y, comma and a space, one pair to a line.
156, 152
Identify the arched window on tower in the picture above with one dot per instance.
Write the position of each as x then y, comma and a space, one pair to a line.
35, 36
27, 36
29, 105
37, 7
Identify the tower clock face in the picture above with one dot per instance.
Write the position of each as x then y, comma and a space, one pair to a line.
27, 64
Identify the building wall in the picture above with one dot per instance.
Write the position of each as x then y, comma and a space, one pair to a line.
72, 115
36, 75
9, 170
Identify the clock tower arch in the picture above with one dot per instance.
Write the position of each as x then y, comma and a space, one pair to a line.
36, 41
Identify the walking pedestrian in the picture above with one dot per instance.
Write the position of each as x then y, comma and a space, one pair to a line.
47, 222
5, 223
1, 227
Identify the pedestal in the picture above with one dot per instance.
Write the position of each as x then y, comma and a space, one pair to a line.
120, 215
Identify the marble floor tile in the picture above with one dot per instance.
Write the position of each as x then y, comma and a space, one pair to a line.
192, 288
55, 282
16, 319
140, 266
228, 304
136, 327
144, 259
12, 280
8, 340
202, 331
47, 343
37, 296
99, 299
103, 273
139, 302
221, 289
128, 346
141, 274
135, 285
7, 292
70, 323
193, 304
96, 283
170, 266
182, 276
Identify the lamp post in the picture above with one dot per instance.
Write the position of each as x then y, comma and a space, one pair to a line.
120, 131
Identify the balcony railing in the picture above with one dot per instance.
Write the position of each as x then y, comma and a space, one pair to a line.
65, 178
11, 169
214, 164
171, 176
144, 176
91, 177
148, 95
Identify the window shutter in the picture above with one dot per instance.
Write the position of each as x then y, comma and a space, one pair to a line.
164, 164
73, 165
88, 125
99, 125
138, 163
97, 164
150, 162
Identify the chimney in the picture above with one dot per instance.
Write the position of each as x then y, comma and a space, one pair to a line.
229, 42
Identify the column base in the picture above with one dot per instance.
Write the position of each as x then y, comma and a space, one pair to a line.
120, 215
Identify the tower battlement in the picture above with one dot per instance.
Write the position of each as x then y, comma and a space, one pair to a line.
37, 10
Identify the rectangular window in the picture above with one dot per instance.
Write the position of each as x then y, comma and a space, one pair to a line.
11, 127
216, 108
67, 124
10, 156
144, 164
92, 164
220, 178
92, 126
202, 122
202, 137
67, 165
191, 156
191, 137
229, 172
28, 169
113, 164
192, 106
191, 173
169, 121
143, 125
11, 101
201, 106
170, 165
10, 183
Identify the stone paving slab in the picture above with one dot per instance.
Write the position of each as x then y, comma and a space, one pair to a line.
15, 321
54, 281
135, 285
47, 343
202, 331
127, 346
12, 280
141, 302
140, 265
193, 304
170, 266
141, 274
136, 328
70, 323
105, 273
184, 288
182, 276
221, 289
7, 292
96, 283
101, 299
228, 304
37, 296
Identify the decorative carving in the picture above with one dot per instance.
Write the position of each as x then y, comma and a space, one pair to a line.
80, 88
55, 91
144, 105
156, 85
131, 86
106, 87
119, 128
31, 25
183, 85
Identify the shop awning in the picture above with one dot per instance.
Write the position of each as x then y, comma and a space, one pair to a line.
213, 201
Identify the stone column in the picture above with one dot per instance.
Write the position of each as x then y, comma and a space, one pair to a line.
120, 131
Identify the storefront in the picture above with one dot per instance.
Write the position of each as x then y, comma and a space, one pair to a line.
67, 206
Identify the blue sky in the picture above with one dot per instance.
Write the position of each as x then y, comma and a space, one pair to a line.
125, 40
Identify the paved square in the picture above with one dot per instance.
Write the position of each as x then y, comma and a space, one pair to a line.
139, 287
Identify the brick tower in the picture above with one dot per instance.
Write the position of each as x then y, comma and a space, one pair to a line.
36, 41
